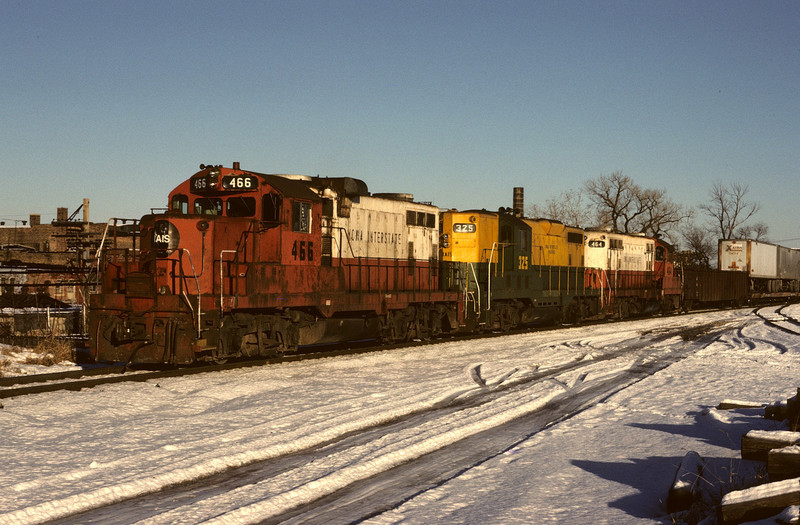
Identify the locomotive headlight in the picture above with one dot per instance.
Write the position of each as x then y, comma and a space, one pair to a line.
213, 179
472, 219
163, 289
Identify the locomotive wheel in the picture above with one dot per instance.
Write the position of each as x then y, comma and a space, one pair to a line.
437, 316
427, 323
624, 311
395, 326
230, 339
507, 316
257, 335
419, 325
276, 335
572, 313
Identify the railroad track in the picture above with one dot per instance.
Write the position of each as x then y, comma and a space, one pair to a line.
75, 380
775, 316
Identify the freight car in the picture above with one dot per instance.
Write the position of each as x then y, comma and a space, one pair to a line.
711, 288
247, 264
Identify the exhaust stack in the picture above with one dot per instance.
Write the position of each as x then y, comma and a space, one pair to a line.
519, 202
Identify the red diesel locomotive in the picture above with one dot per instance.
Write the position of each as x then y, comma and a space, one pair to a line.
246, 264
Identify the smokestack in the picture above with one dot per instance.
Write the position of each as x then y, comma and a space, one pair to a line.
236, 166
519, 202
85, 211
36, 219
61, 214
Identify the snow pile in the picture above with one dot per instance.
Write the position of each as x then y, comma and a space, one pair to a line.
15, 361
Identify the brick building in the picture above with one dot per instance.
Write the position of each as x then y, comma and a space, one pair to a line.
55, 260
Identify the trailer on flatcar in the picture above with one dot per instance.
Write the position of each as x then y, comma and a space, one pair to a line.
773, 271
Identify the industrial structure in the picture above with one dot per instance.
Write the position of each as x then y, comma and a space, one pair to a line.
51, 264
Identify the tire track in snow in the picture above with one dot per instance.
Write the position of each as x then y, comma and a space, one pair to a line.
378, 494
563, 389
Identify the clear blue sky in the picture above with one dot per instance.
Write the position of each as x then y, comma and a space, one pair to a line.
454, 101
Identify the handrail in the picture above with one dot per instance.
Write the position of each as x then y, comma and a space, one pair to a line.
197, 283
99, 252
339, 243
221, 277
489, 278
477, 286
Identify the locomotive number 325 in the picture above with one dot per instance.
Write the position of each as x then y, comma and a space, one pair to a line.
303, 251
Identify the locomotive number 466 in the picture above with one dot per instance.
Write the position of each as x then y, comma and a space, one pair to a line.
303, 251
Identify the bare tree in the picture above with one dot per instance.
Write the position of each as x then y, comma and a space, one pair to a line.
701, 247
758, 231
656, 215
611, 195
728, 208
625, 207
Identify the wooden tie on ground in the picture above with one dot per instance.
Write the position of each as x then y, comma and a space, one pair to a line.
780, 449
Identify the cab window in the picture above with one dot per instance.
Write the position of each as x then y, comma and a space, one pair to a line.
660, 253
506, 234
240, 207
271, 207
180, 204
208, 206
301, 217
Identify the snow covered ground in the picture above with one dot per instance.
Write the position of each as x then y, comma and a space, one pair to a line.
321, 426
